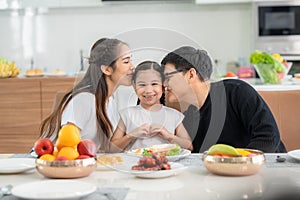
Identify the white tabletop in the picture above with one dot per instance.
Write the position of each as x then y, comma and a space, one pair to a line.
193, 183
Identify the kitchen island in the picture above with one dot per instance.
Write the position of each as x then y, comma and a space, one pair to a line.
285, 106
194, 181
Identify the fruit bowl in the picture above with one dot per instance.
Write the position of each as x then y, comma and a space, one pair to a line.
66, 168
234, 166
269, 75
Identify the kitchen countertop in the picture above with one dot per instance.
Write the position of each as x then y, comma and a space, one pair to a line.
285, 85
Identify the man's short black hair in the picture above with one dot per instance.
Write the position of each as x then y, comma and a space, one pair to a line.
186, 57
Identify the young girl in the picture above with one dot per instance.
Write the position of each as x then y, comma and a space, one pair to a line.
150, 122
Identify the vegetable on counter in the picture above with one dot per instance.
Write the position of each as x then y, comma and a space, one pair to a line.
269, 67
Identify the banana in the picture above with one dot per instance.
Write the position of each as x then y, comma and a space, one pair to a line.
8, 69
223, 149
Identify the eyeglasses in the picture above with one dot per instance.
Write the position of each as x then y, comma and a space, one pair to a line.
169, 74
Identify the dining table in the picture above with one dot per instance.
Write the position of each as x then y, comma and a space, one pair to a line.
275, 180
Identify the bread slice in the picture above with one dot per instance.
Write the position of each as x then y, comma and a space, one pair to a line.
159, 148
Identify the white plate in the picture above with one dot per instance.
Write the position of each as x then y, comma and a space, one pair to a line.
130, 160
294, 154
176, 168
33, 75
183, 153
16, 165
53, 189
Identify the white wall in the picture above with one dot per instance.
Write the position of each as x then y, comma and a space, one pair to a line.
55, 38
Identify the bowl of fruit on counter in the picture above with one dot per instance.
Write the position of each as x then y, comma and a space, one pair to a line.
271, 68
69, 157
224, 159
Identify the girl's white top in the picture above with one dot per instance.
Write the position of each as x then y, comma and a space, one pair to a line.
135, 116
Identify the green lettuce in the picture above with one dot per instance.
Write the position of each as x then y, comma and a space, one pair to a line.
146, 153
267, 66
174, 152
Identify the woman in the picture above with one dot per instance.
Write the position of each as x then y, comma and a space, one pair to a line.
90, 105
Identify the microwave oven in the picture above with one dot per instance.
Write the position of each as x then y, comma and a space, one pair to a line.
277, 26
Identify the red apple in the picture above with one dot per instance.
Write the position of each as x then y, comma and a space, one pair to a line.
62, 158
43, 146
82, 157
87, 147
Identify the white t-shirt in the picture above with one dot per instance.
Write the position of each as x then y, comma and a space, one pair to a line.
81, 111
136, 116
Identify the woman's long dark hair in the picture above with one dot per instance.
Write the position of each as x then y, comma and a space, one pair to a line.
103, 52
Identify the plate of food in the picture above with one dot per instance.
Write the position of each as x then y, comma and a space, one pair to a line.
294, 154
34, 73
57, 73
172, 151
16, 165
154, 166
175, 169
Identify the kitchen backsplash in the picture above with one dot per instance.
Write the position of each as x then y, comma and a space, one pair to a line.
53, 38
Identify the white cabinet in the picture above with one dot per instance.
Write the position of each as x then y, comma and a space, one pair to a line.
21, 4
221, 1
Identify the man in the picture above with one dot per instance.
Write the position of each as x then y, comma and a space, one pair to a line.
228, 112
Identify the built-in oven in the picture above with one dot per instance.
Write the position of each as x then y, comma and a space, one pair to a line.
277, 28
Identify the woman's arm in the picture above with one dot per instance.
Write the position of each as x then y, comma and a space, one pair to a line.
120, 139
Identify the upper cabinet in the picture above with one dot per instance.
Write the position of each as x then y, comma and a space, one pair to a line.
221, 1
21, 4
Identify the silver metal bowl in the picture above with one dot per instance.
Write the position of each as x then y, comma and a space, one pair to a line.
234, 166
66, 169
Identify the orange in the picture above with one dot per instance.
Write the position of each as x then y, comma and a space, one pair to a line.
243, 152
68, 136
68, 152
58, 145
47, 157
55, 152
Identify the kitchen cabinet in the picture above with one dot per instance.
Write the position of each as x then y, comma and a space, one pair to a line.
222, 1
285, 106
24, 103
